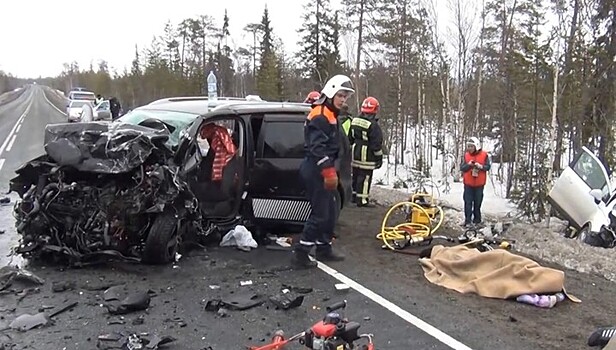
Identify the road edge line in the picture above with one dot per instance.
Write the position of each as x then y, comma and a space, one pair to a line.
17, 123
398, 311
52, 105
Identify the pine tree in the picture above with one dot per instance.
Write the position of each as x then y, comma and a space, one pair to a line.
319, 55
224, 61
268, 75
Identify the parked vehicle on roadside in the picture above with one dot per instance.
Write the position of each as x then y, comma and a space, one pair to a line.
82, 96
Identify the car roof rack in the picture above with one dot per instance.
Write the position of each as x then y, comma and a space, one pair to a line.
205, 98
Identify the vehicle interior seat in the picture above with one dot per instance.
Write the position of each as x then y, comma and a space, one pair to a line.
220, 196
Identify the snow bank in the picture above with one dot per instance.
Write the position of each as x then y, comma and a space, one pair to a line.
536, 240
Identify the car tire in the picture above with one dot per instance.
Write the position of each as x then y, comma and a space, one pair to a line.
582, 234
163, 240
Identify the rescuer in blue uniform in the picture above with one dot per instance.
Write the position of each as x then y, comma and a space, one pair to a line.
318, 172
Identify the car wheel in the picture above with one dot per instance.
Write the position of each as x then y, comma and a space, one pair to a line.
582, 235
162, 242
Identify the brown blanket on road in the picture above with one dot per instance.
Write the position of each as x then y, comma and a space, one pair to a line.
493, 274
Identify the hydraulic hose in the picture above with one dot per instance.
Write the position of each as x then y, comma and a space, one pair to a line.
406, 229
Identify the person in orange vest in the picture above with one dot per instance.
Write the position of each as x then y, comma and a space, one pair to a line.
319, 174
475, 167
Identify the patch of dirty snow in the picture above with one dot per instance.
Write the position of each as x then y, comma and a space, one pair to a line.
549, 244
535, 240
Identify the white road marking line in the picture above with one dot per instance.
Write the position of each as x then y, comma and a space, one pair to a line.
10, 135
18, 127
1, 163
52, 105
8, 148
398, 311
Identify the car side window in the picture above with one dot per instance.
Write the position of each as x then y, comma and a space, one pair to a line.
589, 170
283, 139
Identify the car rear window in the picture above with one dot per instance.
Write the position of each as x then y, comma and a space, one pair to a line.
283, 139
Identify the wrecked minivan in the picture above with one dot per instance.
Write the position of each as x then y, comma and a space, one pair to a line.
242, 162
123, 190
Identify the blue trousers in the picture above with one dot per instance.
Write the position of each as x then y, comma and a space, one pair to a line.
473, 197
319, 228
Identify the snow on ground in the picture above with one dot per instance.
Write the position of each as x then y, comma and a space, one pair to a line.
538, 240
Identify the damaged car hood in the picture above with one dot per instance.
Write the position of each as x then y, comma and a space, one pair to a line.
108, 148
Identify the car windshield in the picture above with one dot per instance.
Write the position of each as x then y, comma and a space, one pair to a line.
78, 104
179, 120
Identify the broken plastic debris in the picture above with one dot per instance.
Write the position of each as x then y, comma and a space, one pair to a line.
246, 283
133, 302
341, 286
287, 301
26, 322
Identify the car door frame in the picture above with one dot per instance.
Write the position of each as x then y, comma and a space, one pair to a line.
188, 156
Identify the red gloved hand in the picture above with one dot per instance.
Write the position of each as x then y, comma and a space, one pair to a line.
330, 178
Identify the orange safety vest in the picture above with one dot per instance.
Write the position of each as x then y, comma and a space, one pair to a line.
480, 157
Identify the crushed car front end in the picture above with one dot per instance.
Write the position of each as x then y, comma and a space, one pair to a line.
101, 190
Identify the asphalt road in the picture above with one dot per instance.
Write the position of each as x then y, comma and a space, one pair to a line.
22, 128
389, 295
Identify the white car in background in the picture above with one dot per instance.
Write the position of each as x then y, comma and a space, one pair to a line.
583, 194
74, 109
85, 111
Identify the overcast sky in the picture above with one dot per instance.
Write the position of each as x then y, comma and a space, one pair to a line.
38, 36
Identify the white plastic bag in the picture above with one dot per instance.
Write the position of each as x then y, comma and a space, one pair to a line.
240, 237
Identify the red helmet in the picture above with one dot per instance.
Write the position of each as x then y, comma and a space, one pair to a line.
370, 105
313, 96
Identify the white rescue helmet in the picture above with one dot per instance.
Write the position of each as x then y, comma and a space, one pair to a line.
337, 83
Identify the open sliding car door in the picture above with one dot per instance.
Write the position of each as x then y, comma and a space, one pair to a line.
571, 196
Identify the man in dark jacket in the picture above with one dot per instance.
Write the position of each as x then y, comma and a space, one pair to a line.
114, 108
475, 166
318, 171
366, 139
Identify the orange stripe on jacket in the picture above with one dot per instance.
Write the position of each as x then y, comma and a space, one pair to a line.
324, 111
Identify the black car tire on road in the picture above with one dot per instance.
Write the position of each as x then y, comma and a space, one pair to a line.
162, 242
